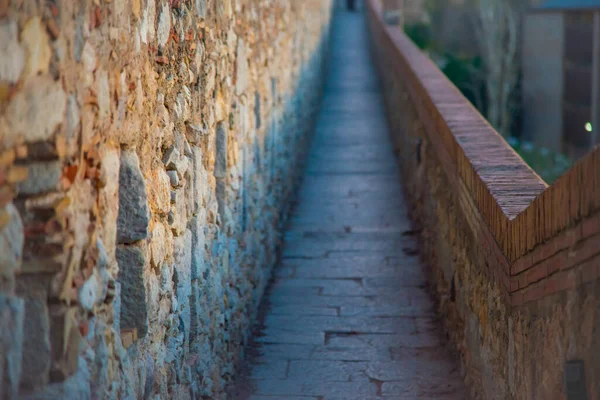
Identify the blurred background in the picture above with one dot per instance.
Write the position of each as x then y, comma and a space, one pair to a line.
529, 66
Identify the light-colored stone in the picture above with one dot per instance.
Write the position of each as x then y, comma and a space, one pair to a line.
181, 107
73, 117
35, 39
135, 8
164, 25
109, 198
11, 241
180, 209
182, 257
103, 92
159, 188
171, 158
174, 178
35, 112
201, 8
159, 243
242, 74
12, 53
93, 291
147, 30
88, 57
194, 133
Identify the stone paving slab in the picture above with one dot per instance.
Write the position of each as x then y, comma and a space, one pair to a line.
347, 315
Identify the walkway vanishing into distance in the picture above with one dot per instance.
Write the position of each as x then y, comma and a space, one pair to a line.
348, 315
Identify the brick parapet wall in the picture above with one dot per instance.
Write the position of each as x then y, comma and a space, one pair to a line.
148, 149
515, 264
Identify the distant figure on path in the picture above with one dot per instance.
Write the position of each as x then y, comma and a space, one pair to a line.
351, 5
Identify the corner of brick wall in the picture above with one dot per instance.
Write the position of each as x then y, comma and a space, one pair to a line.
515, 325
148, 149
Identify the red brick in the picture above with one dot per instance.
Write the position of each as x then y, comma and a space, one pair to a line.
523, 283
590, 226
589, 270
556, 263
522, 264
561, 241
516, 299
537, 273
543, 251
534, 292
582, 251
558, 282
561, 281
514, 284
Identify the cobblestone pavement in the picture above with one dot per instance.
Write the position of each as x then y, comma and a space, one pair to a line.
347, 316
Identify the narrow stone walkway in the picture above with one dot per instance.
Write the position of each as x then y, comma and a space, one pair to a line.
347, 316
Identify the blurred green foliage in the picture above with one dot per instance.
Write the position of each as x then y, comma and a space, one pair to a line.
548, 164
466, 73
420, 33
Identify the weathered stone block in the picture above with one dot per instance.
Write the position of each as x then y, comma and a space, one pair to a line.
41, 177
12, 312
134, 216
198, 267
182, 255
243, 75
76, 387
36, 331
194, 133
173, 178
11, 240
159, 190
164, 25
36, 40
171, 158
94, 290
12, 54
75, 92
35, 111
160, 244
65, 340
221, 151
132, 261
201, 8
149, 381
181, 211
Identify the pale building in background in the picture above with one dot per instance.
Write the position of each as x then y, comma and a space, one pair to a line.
561, 66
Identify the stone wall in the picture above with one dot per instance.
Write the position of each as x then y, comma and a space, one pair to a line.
147, 152
527, 324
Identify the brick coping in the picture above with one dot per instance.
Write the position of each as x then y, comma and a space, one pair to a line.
524, 216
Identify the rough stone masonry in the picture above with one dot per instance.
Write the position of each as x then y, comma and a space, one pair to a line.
147, 150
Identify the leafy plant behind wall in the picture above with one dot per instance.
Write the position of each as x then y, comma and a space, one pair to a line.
467, 74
